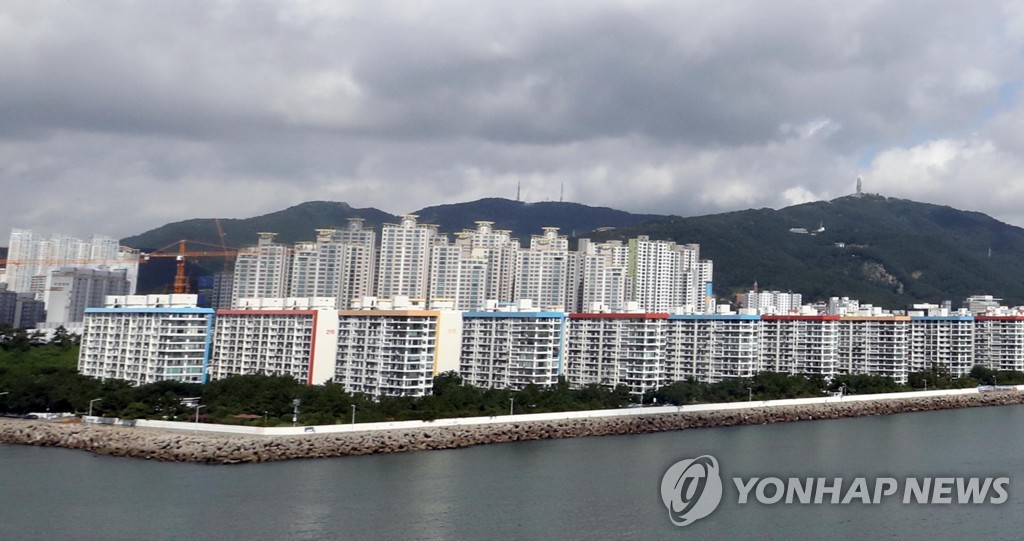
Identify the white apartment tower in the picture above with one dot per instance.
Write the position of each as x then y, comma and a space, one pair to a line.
499, 249
604, 276
874, 345
800, 345
617, 349
395, 352
945, 342
144, 339
262, 271
665, 276
294, 337
544, 272
339, 264
32, 256
404, 267
999, 341
510, 350
710, 348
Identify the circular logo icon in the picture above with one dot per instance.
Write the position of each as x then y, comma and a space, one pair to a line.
691, 489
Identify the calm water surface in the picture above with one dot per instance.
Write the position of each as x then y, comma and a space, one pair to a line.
590, 488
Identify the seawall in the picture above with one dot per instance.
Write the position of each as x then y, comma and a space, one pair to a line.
184, 445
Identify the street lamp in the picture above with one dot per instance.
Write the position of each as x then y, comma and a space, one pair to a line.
750, 394
353, 414
198, 407
91, 402
511, 405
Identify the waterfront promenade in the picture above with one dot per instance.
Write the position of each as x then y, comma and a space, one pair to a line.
227, 444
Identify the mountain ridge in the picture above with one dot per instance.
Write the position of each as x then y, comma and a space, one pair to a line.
882, 250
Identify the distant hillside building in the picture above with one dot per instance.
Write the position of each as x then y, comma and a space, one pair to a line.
773, 302
339, 264
262, 271
70, 290
20, 310
404, 264
31, 256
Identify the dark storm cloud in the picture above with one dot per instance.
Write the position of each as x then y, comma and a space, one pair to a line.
120, 116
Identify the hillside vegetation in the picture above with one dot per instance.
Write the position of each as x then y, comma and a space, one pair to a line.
886, 251
894, 251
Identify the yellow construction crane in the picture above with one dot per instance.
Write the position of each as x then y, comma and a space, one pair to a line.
180, 278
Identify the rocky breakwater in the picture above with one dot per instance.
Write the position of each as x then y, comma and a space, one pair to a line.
233, 449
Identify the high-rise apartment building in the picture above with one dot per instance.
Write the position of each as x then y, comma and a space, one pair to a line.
70, 290
404, 264
669, 277
942, 342
510, 350
145, 339
800, 345
617, 349
262, 271
339, 264
999, 341
874, 345
396, 352
710, 348
604, 276
31, 256
294, 337
545, 272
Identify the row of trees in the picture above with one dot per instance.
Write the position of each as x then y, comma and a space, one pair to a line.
44, 377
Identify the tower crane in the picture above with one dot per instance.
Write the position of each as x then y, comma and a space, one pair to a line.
180, 278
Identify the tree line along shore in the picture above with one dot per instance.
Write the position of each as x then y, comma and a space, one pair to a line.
42, 376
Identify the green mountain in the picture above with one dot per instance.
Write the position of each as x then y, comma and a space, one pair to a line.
300, 222
890, 252
526, 219
291, 225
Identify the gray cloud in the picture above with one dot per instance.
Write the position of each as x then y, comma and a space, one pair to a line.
121, 116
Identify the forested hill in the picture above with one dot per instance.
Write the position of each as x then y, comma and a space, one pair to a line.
291, 225
300, 222
877, 249
887, 251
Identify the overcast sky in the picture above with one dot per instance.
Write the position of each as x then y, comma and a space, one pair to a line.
118, 117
